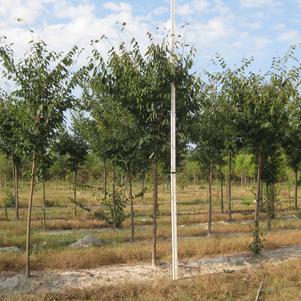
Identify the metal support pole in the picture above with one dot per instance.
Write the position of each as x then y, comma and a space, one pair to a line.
173, 185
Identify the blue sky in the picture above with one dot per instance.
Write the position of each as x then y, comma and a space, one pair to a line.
232, 28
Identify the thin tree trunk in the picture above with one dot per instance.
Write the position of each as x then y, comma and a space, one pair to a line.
16, 188
258, 194
268, 207
261, 209
132, 207
210, 198
273, 201
155, 205
44, 205
33, 170
105, 180
229, 188
296, 188
75, 194
143, 185
113, 197
222, 192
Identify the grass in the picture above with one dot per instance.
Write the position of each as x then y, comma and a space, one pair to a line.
50, 248
280, 282
116, 253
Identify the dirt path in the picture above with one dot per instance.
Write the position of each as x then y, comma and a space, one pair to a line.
57, 280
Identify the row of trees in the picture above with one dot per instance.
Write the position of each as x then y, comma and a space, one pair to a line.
123, 116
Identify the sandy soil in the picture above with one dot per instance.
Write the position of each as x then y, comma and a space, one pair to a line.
58, 280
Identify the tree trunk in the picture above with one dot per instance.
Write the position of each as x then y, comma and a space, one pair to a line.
155, 205
33, 170
105, 180
268, 207
132, 206
259, 190
75, 194
143, 185
44, 205
16, 188
261, 200
209, 198
113, 196
296, 188
229, 188
272, 207
222, 192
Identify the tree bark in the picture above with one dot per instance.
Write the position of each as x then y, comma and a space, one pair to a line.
209, 198
105, 180
113, 196
229, 188
143, 185
222, 192
75, 194
268, 207
296, 188
132, 206
272, 207
44, 205
155, 205
16, 188
258, 194
33, 170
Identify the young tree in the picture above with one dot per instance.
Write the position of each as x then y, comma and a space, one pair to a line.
43, 174
43, 88
75, 148
292, 140
10, 141
210, 140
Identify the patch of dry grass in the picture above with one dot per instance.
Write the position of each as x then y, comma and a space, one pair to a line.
140, 252
280, 282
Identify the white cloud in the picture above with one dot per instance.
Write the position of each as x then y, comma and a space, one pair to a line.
184, 10
117, 7
257, 3
290, 36
29, 10
200, 5
260, 42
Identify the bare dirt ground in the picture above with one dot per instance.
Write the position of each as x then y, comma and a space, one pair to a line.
58, 280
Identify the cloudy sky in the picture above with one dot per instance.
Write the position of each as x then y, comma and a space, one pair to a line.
232, 28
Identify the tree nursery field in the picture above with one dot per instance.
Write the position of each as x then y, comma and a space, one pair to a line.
127, 173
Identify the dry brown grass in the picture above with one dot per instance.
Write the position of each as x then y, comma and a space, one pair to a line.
141, 252
280, 282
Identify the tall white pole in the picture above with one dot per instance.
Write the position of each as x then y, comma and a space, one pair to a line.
173, 184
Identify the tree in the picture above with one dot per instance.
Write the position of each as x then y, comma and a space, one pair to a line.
210, 140
43, 174
75, 148
10, 143
43, 89
292, 140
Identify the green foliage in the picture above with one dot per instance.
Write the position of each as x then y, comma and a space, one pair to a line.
9, 200
257, 243
244, 165
120, 202
246, 201
74, 148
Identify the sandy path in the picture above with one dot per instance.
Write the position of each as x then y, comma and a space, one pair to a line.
57, 280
